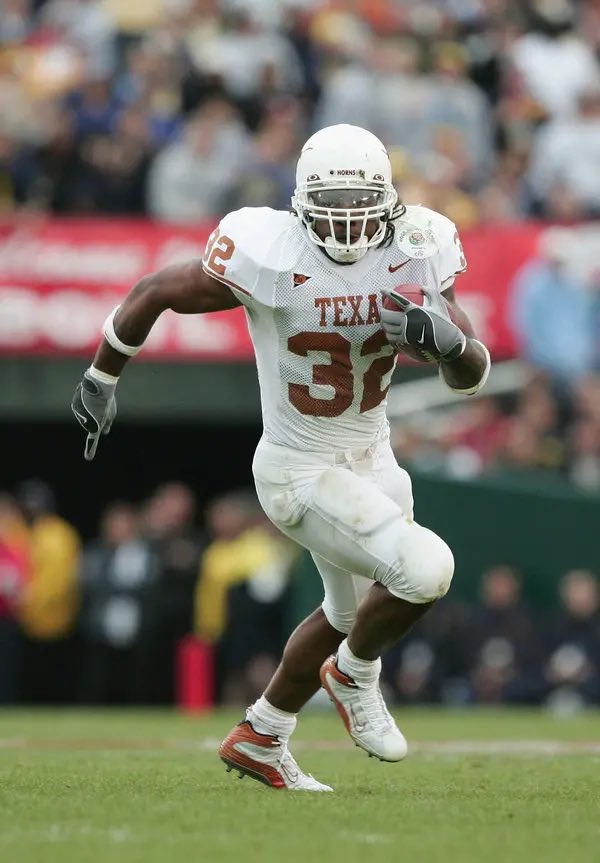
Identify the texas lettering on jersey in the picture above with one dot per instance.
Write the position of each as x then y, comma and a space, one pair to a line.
348, 311
324, 363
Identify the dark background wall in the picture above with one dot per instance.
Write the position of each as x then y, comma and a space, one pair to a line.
533, 522
40, 388
211, 457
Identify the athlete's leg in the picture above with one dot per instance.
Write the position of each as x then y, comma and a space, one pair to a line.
297, 678
384, 619
352, 524
351, 676
381, 621
257, 747
358, 525
344, 591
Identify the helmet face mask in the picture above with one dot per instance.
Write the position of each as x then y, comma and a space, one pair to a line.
345, 220
345, 210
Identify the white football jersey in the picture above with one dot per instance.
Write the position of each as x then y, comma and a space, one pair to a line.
324, 364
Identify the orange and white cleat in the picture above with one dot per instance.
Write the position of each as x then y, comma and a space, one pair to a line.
364, 713
265, 758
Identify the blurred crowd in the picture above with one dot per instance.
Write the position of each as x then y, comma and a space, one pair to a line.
183, 109
500, 651
104, 622
538, 430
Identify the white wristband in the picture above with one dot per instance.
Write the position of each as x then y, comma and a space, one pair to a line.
114, 341
481, 383
102, 377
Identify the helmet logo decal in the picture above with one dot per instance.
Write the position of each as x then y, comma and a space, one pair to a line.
312, 177
379, 177
348, 172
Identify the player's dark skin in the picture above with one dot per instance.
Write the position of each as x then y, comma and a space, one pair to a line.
382, 619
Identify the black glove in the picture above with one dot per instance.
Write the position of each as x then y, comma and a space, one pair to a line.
427, 328
95, 407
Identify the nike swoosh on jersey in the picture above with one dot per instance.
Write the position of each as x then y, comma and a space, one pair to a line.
397, 267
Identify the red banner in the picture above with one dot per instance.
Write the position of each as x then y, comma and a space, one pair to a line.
59, 278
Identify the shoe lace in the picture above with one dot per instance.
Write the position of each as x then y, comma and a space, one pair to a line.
285, 754
375, 709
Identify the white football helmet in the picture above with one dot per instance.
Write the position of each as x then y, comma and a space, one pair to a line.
344, 178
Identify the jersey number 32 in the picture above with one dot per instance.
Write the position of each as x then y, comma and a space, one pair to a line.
339, 373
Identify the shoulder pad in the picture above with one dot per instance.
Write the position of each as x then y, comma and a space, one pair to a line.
255, 230
251, 238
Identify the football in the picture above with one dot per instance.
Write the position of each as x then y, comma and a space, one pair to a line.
416, 296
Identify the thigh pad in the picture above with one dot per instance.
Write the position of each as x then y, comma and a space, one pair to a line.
352, 504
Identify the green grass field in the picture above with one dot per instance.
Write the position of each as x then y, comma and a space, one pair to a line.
141, 787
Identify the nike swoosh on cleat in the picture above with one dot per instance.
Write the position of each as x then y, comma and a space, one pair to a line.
359, 727
397, 267
421, 341
291, 775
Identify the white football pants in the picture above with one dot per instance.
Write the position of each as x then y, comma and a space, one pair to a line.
353, 510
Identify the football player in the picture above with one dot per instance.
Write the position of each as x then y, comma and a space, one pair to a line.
313, 282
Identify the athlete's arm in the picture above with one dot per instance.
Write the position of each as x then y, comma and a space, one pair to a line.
469, 372
184, 288
464, 362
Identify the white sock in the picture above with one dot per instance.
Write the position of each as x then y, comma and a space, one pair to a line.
364, 672
267, 719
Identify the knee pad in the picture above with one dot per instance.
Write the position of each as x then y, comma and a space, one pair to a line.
422, 566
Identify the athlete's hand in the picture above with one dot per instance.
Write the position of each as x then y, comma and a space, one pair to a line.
428, 328
95, 407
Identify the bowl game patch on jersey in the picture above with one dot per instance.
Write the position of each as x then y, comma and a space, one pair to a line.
416, 242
